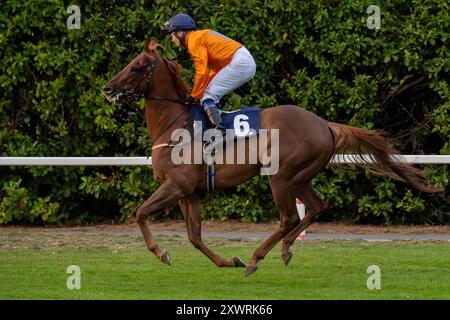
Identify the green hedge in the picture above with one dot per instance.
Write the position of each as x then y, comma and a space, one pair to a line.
317, 54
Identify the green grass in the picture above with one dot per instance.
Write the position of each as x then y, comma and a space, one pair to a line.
119, 267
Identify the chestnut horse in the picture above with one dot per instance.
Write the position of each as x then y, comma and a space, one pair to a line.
307, 143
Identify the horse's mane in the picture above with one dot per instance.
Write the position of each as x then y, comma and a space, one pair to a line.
175, 69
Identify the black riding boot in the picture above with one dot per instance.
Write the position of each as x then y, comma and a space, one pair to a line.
213, 113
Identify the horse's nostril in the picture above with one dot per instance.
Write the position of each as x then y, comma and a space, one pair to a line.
107, 89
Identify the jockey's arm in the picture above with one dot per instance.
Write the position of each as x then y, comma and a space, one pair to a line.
202, 75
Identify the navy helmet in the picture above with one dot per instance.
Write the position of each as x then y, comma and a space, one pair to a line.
179, 22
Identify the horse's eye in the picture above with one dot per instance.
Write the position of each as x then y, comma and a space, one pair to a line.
134, 69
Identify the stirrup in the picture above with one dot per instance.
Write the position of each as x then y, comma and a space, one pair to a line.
221, 128
215, 142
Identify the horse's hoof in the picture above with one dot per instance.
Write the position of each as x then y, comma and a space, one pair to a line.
287, 257
249, 270
238, 263
165, 258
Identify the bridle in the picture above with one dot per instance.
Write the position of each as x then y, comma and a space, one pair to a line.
151, 65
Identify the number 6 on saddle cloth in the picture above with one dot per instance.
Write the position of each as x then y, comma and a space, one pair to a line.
241, 123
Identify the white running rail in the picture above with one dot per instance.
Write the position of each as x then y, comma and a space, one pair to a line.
75, 161
410, 158
144, 161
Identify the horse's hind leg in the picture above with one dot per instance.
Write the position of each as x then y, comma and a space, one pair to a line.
285, 201
191, 211
314, 205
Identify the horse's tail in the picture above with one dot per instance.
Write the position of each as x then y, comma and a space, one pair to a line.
374, 150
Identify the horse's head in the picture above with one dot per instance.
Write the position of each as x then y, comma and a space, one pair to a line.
135, 80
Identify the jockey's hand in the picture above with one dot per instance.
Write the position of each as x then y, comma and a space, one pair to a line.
189, 99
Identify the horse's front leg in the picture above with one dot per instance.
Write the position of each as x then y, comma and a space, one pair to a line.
166, 196
191, 211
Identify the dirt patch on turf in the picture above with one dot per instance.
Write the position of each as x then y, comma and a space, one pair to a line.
231, 226
75, 241
119, 237
10, 241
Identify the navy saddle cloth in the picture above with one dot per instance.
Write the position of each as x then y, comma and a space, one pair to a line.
241, 123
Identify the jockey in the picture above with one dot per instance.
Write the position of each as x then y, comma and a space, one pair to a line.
221, 64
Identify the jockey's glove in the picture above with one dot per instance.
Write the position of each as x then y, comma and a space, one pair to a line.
189, 99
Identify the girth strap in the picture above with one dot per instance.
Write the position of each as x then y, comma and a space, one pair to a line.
210, 168
210, 177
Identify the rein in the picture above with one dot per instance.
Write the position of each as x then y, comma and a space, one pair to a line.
182, 101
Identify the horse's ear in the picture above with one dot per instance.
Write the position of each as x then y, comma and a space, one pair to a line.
152, 46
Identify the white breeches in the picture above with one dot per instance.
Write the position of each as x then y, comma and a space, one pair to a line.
241, 69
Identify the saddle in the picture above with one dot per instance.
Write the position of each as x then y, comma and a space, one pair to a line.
239, 124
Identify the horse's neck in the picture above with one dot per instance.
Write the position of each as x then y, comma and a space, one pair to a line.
160, 114
164, 116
